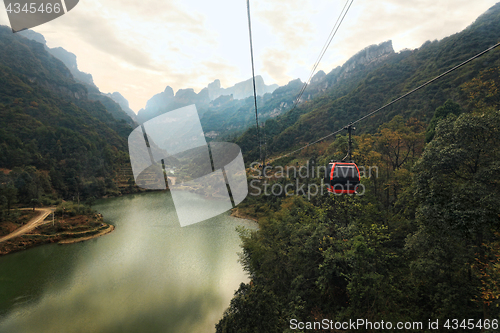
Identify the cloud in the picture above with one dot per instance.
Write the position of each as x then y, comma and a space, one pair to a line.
128, 44
287, 21
170, 13
276, 65
153, 35
101, 36
220, 69
410, 25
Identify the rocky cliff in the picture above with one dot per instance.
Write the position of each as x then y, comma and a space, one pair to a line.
241, 90
207, 97
369, 55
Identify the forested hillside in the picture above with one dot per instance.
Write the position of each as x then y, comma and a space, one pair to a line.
420, 242
54, 141
371, 88
93, 93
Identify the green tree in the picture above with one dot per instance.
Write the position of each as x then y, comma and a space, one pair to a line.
483, 91
10, 193
34, 203
457, 184
400, 141
253, 309
3, 204
449, 107
366, 263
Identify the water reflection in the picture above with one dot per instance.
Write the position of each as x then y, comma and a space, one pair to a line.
149, 275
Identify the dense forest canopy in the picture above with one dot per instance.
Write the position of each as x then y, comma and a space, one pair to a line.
421, 243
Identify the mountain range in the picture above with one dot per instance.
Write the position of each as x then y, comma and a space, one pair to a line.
376, 76
168, 101
42, 91
228, 112
223, 111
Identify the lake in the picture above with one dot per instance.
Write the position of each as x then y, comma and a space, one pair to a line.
149, 275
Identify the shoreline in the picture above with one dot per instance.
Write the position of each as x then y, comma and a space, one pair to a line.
37, 237
103, 232
235, 212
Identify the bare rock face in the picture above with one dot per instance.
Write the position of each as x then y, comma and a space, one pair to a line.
373, 55
370, 54
240, 90
318, 76
123, 102
214, 89
185, 95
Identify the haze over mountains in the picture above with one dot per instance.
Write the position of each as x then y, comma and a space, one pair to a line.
159, 103
168, 101
223, 111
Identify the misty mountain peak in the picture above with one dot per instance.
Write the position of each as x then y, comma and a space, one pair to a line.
318, 76
30, 34
169, 91
214, 85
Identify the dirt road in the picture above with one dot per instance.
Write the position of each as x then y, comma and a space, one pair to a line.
32, 224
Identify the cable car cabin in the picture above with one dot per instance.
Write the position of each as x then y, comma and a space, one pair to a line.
342, 177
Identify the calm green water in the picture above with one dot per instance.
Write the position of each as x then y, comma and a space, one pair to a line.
149, 275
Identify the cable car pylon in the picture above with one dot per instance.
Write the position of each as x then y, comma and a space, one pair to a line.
349, 129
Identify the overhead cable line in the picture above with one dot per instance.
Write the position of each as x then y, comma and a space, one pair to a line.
321, 53
253, 79
397, 99
335, 28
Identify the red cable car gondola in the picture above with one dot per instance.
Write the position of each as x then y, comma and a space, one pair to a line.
342, 177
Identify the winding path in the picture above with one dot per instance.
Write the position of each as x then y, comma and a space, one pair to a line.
32, 224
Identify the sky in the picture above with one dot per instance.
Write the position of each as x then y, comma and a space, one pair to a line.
139, 47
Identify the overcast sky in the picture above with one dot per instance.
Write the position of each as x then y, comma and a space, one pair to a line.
140, 47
